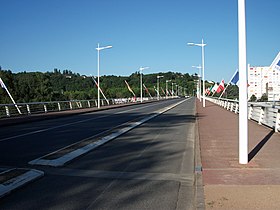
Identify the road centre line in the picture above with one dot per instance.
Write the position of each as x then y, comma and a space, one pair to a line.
72, 123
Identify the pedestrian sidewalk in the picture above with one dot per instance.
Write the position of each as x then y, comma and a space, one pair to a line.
228, 184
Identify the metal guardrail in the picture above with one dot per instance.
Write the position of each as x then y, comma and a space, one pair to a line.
9, 110
265, 113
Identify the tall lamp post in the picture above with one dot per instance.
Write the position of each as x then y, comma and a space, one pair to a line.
158, 77
202, 45
98, 70
141, 86
166, 87
199, 81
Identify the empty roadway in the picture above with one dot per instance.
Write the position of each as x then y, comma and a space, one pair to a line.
150, 167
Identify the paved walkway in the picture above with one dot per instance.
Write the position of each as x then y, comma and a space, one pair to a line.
228, 184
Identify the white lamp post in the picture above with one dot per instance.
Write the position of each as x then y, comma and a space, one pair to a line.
158, 77
199, 81
202, 45
243, 103
166, 86
98, 71
141, 88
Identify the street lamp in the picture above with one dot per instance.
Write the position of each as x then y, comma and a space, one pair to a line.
158, 77
202, 45
166, 86
199, 81
98, 70
141, 88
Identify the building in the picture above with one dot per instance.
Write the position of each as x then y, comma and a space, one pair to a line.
265, 80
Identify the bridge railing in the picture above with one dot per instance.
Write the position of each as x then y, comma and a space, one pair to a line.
264, 113
9, 110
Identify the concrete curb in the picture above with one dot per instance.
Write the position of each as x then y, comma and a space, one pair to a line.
19, 181
199, 189
62, 160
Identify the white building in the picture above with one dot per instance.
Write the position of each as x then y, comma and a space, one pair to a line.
265, 80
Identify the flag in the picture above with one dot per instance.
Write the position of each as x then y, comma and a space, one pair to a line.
147, 90
235, 78
221, 87
214, 88
2, 84
207, 91
129, 88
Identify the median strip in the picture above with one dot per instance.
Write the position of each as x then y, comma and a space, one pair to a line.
67, 154
17, 177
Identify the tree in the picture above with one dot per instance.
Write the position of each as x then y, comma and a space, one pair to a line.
253, 98
263, 98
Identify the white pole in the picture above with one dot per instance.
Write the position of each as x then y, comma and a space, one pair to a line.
203, 90
98, 75
199, 83
243, 104
100, 90
141, 91
4, 86
157, 87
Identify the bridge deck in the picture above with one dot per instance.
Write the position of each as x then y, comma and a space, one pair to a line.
228, 184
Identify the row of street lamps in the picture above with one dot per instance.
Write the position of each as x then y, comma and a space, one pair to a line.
243, 103
158, 77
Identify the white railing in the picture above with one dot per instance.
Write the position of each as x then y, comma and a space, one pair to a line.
8, 110
265, 113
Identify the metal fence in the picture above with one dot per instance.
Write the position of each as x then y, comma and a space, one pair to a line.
265, 113
9, 110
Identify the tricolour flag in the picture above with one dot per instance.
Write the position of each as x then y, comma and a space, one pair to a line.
221, 87
214, 88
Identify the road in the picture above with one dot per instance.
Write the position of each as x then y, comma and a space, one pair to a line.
149, 167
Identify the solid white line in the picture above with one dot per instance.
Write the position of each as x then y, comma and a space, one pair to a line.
80, 151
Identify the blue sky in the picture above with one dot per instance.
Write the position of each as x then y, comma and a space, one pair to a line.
40, 35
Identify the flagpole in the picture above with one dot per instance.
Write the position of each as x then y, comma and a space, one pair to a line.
228, 83
100, 90
4, 86
147, 90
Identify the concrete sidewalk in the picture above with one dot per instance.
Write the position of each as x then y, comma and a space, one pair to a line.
228, 184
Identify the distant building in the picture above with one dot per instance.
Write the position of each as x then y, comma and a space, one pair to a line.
265, 80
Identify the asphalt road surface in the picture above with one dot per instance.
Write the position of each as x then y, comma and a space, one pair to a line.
149, 167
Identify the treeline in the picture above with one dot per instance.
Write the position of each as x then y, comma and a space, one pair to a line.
66, 85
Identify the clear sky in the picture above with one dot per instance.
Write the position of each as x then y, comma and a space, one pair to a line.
40, 35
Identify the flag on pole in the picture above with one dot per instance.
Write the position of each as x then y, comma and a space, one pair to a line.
214, 88
207, 91
235, 78
129, 88
221, 87
146, 89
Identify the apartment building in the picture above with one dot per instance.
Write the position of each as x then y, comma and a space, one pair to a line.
265, 80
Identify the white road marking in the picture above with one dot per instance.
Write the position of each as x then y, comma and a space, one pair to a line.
80, 151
